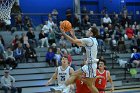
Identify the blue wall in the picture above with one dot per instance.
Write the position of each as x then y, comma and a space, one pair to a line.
91, 5
46, 6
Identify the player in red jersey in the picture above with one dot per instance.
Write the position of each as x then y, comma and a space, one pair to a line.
101, 83
81, 87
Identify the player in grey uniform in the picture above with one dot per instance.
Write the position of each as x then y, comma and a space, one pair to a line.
90, 44
62, 73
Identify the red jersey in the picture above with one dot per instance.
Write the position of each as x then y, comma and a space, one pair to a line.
101, 82
81, 87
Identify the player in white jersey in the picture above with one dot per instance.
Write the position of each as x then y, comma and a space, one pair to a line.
90, 44
62, 73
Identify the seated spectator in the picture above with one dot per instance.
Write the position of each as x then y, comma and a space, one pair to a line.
135, 27
54, 15
18, 22
129, 32
51, 37
10, 58
135, 57
106, 21
27, 23
113, 44
125, 21
121, 45
116, 21
46, 28
138, 43
62, 41
30, 53
2, 60
76, 48
19, 53
86, 22
24, 40
58, 56
7, 82
50, 57
15, 41
54, 48
77, 24
43, 39
31, 37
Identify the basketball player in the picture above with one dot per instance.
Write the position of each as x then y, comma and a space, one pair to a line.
62, 73
102, 82
90, 44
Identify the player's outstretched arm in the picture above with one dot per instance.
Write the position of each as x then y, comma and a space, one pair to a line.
52, 79
111, 81
72, 40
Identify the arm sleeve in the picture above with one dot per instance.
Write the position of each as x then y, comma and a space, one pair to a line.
86, 41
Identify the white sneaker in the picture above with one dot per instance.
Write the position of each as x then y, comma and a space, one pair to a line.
59, 88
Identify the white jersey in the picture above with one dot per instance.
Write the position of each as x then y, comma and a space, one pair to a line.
63, 75
91, 46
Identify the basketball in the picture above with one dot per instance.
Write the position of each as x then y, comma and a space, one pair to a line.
66, 25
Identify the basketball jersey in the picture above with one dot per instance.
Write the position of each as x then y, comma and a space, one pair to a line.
101, 82
90, 45
63, 75
81, 87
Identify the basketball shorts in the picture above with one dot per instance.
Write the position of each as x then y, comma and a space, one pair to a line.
90, 70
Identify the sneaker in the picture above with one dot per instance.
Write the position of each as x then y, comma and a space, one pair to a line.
59, 88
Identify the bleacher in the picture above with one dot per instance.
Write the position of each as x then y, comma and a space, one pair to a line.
31, 77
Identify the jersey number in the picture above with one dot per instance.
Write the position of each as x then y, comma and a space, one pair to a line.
100, 81
62, 78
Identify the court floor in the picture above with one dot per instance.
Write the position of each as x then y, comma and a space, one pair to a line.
126, 91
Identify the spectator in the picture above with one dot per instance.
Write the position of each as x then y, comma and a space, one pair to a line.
46, 28
106, 21
16, 8
31, 37
51, 37
62, 41
76, 23
43, 39
50, 57
15, 41
133, 43
121, 45
125, 21
19, 53
116, 21
54, 15
2, 40
54, 48
135, 57
18, 22
30, 53
135, 27
76, 48
113, 44
129, 32
24, 40
86, 22
10, 58
58, 56
7, 82
50, 23
138, 43
27, 23
69, 15
2, 60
